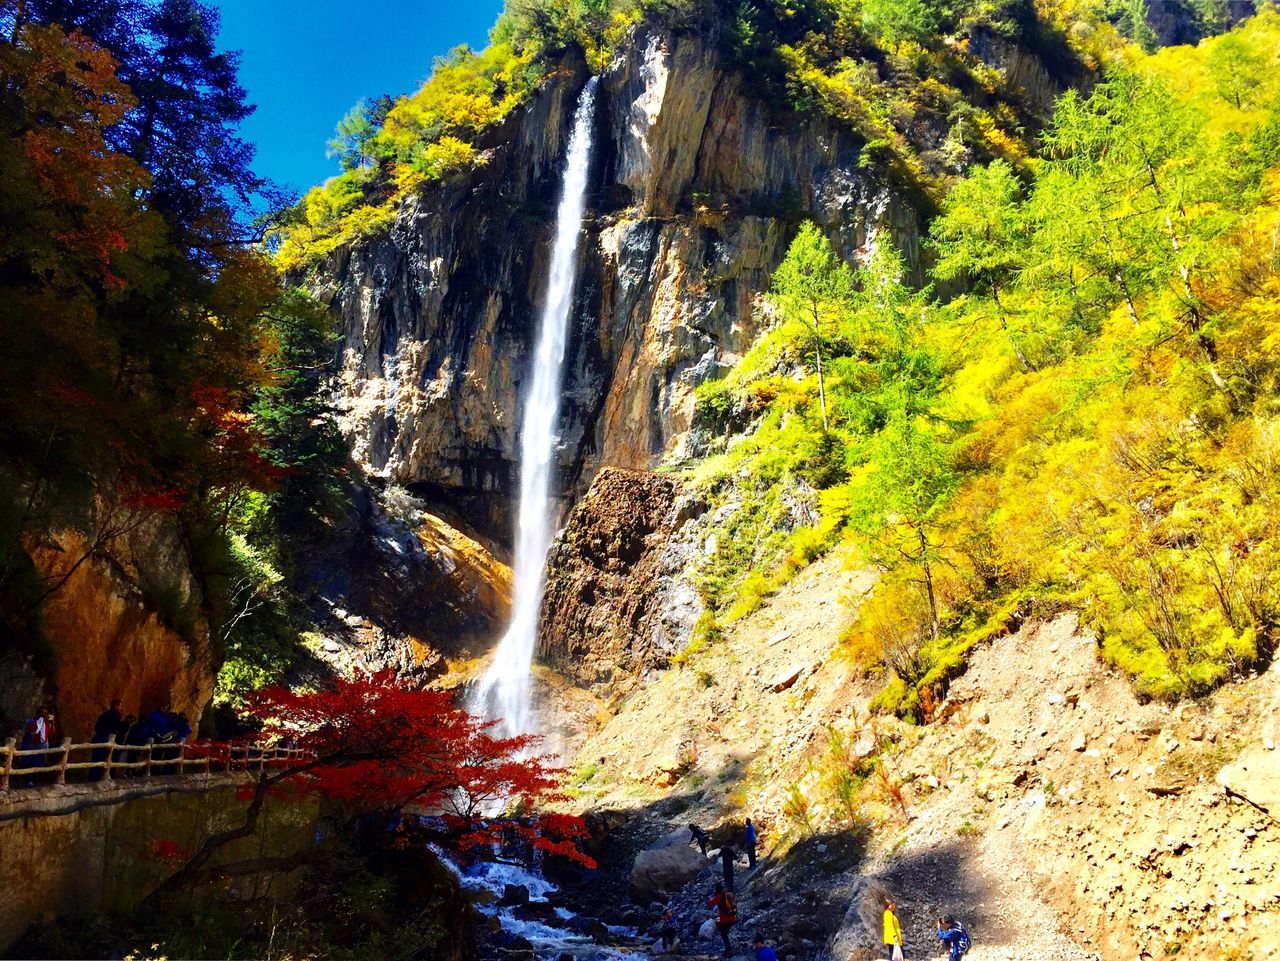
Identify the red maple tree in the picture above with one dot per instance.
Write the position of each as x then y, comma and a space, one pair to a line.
378, 748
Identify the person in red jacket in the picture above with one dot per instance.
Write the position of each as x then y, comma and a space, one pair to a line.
726, 914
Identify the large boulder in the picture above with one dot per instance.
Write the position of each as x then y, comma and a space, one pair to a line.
664, 867
593, 928
618, 602
513, 894
860, 934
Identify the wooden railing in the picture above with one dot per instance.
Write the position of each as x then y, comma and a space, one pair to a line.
140, 760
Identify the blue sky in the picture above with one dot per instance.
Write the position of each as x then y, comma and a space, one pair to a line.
306, 62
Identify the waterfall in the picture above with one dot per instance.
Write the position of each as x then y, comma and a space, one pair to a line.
504, 691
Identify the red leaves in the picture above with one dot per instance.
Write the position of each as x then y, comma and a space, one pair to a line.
382, 745
166, 851
68, 86
159, 500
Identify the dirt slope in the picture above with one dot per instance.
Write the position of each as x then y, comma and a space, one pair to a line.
1056, 814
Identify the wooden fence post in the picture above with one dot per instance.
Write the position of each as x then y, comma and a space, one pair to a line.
9, 748
147, 770
111, 753
182, 755
62, 766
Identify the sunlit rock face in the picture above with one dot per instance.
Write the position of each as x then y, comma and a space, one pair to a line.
126, 620
618, 600
696, 189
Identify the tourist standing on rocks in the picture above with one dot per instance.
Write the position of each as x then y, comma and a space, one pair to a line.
669, 936
952, 933
727, 856
699, 837
726, 914
763, 951
751, 844
107, 727
893, 948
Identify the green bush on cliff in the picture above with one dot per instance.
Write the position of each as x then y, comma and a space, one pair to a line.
416, 139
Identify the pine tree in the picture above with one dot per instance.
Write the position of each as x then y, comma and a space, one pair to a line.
813, 287
982, 237
898, 507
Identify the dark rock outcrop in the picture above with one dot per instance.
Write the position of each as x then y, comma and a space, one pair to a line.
403, 584
616, 602
1177, 22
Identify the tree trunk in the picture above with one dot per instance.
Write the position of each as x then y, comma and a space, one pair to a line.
928, 584
19, 20
1022, 358
822, 391
1195, 317
817, 352
1128, 298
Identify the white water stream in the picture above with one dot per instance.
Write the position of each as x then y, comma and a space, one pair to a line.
551, 938
504, 693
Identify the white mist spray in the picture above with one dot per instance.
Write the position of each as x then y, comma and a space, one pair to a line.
504, 691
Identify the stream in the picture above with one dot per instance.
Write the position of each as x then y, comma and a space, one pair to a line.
539, 921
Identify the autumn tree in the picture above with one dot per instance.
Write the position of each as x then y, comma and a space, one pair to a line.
377, 748
981, 238
1237, 70
812, 288
899, 503
153, 365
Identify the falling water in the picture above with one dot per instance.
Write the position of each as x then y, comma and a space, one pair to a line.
504, 691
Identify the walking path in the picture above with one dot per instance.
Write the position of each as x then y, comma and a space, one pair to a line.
151, 769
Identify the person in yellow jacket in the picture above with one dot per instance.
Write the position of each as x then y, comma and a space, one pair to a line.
893, 949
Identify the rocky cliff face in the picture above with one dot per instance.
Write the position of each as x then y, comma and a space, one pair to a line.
404, 585
617, 601
1181, 21
126, 622
696, 189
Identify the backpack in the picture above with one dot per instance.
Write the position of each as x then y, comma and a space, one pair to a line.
730, 908
966, 942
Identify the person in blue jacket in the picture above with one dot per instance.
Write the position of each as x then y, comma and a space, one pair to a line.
952, 934
763, 951
751, 845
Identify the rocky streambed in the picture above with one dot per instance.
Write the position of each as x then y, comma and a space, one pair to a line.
527, 917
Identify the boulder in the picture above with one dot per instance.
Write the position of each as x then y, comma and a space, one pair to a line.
666, 764
786, 678
665, 866
513, 894
860, 931
1255, 778
593, 928
535, 911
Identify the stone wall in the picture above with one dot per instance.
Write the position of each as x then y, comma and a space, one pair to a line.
104, 858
